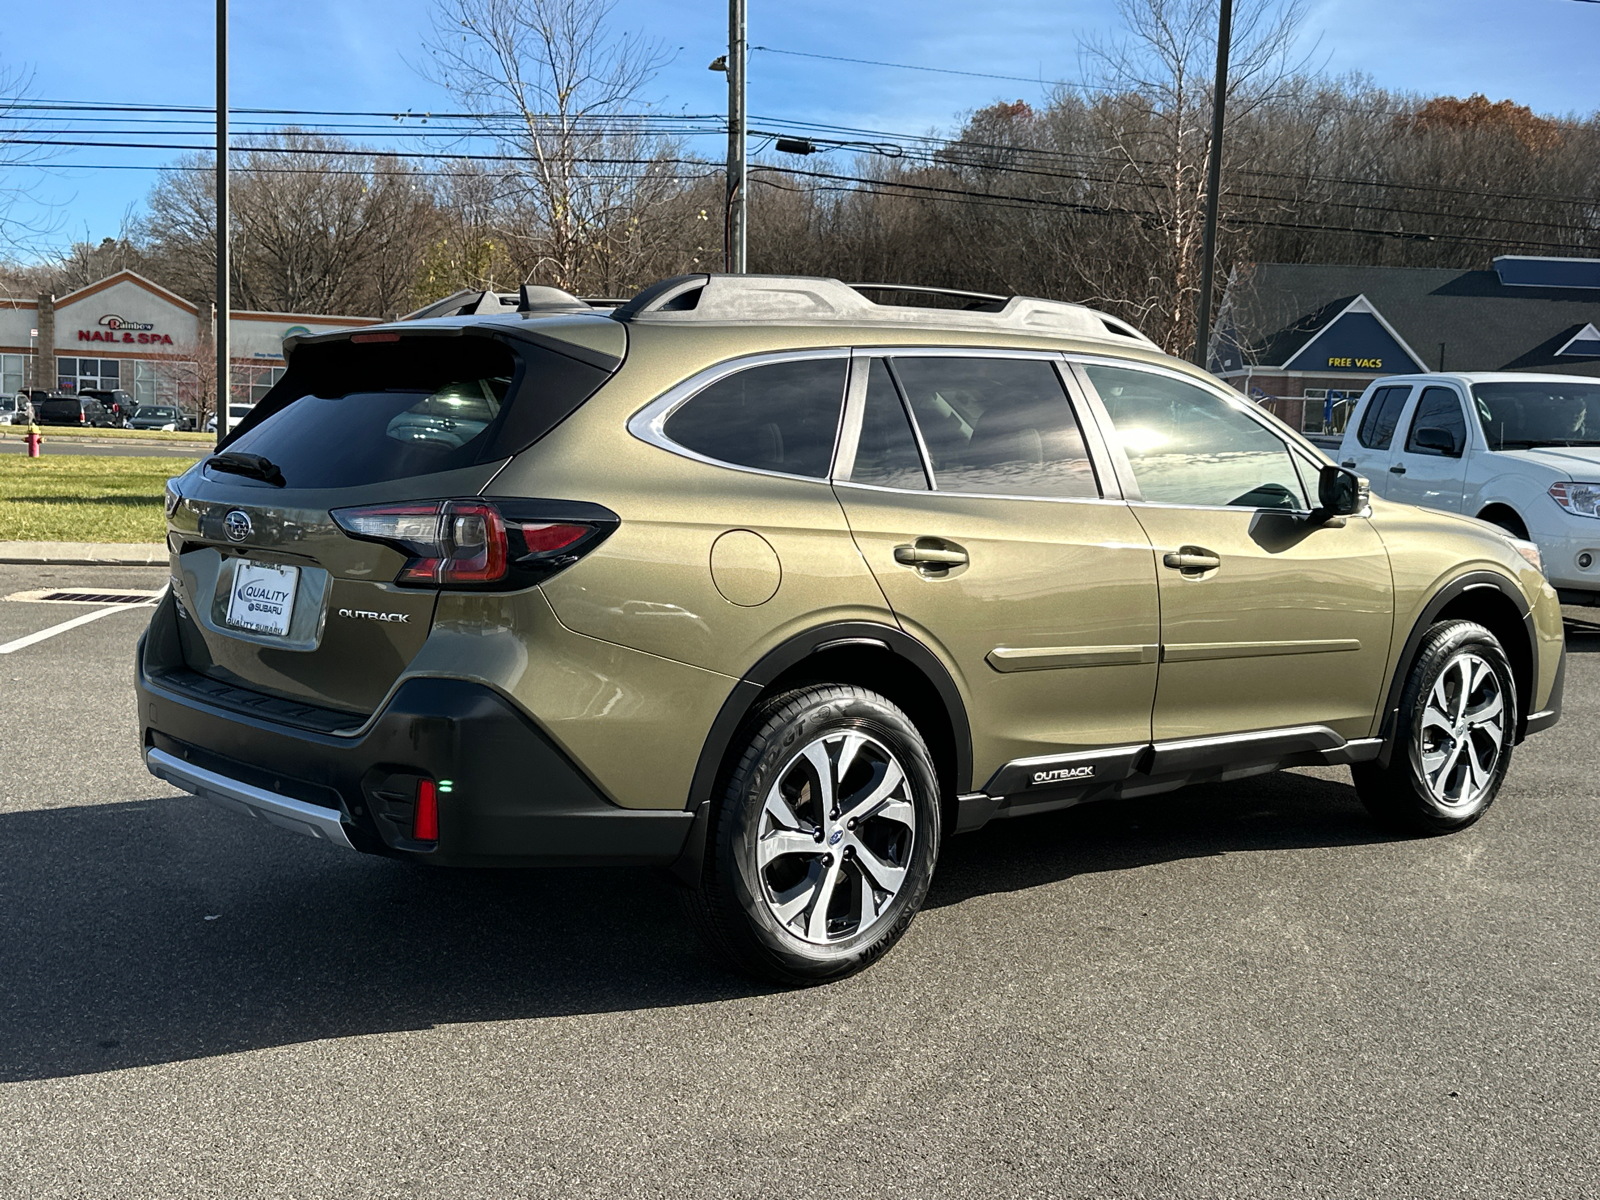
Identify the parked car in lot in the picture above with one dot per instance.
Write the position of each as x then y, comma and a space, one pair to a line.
59, 408
29, 401
759, 580
1519, 451
117, 401
236, 414
156, 416
13, 410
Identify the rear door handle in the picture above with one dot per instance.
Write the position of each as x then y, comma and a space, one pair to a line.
1191, 558
927, 554
1398, 469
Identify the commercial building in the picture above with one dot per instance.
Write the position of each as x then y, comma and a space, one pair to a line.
127, 332
1298, 338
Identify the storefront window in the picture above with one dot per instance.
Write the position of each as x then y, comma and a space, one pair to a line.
75, 374
166, 383
11, 373
262, 380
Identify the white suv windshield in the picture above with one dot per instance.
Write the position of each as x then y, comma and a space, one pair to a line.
1517, 416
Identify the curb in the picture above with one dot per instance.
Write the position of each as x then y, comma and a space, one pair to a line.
195, 448
85, 554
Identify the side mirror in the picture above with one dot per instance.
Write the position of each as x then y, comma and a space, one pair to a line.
1340, 493
1439, 440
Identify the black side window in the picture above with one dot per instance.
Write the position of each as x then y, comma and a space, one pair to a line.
1382, 415
779, 417
997, 425
887, 453
1439, 409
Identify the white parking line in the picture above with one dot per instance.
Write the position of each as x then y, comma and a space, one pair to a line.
23, 643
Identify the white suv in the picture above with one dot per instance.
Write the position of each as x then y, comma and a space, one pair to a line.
1521, 451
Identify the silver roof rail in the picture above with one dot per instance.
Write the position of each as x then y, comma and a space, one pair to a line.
799, 300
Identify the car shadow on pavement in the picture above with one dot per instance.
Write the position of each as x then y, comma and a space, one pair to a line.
1583, 636
167, 930
1284, 811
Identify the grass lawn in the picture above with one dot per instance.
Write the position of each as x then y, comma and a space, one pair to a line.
84, 497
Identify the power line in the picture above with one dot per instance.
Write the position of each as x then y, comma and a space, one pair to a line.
872, 62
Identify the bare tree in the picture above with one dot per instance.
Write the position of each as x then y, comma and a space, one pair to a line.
1154, 116
24, 221
559, 93
318, 225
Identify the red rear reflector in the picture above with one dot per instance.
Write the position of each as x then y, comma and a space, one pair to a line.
375, 337
425, 823
542, 539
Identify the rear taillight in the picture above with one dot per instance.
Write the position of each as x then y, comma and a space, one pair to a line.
475, 543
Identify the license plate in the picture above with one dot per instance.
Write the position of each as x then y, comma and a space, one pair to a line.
263, 598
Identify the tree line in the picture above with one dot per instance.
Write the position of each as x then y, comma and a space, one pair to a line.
1095, 195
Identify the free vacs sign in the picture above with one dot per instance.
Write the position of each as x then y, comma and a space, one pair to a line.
120, 329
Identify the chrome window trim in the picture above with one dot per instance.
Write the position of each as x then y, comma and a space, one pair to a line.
648, 423
1221, 391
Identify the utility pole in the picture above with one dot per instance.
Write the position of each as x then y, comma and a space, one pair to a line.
224, 352
738, 59
1208, 243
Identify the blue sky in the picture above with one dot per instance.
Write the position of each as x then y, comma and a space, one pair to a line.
353, 54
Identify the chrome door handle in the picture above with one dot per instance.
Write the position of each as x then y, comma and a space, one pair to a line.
1348, 464
930, 556
1398, 469
1191, 558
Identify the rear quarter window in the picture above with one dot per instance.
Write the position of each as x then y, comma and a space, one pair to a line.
781, 417
348, 414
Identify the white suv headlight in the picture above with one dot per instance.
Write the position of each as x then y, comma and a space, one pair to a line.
1579, 499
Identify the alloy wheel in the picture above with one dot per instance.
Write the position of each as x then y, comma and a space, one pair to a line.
1462, 733
835, 837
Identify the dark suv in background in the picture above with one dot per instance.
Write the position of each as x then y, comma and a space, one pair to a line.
61, 408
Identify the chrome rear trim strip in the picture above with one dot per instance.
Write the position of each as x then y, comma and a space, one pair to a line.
309, 819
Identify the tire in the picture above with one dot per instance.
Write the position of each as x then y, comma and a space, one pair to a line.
1505, 518
796, 890
1451, 752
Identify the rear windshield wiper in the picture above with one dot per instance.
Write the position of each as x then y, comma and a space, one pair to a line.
252, 465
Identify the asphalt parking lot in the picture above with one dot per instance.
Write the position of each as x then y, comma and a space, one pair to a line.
1240, 990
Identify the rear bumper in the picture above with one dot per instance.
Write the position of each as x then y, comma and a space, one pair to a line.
514, 799
283, 811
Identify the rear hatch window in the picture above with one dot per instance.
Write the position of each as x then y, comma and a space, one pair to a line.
275, 597
350, 414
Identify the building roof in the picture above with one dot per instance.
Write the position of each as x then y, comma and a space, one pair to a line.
1274, 311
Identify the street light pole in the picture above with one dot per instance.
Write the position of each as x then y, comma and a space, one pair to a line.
224, 354
738, 58
1208, 242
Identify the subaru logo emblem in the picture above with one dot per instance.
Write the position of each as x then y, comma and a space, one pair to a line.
834, 839
236, 525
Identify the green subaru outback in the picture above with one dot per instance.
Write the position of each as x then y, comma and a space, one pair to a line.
777, 586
